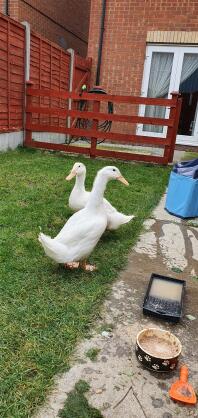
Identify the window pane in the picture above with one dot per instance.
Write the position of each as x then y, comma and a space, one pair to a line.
159, 81
189, 91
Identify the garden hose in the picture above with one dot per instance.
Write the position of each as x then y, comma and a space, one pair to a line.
82, 123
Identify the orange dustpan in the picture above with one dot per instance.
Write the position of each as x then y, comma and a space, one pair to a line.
181, 390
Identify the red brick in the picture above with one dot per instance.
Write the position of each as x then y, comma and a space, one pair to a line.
126, 26
65, 22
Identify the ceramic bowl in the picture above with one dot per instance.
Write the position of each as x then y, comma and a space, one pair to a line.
158, 350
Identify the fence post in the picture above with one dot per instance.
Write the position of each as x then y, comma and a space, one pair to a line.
178, 100
172, 131
71, 86
96, 108
28, 132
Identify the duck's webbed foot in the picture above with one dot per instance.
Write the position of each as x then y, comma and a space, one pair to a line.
72, 266
87, 267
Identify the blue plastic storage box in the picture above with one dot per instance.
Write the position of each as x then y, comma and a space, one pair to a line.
182, 196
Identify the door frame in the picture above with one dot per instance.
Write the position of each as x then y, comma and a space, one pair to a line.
178, 51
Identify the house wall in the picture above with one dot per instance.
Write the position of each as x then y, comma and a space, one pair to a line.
65, 22
13, 8
126, 27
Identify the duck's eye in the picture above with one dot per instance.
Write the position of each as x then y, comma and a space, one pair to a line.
79, 166
114, 169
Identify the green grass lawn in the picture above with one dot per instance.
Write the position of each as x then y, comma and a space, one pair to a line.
190, 156
45, 309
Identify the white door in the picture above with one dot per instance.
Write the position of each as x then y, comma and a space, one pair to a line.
167, 69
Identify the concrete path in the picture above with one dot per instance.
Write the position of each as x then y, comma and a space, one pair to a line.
166, 242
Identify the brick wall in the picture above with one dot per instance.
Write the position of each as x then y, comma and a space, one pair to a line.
3, 6
126, 26
65, 22
13, 8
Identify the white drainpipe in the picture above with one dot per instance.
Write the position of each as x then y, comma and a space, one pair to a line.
27, 50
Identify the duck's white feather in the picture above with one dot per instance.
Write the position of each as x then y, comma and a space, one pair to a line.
78, 204
114, 218
77, 238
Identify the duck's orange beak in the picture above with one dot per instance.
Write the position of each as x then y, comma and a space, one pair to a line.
123, 180
71, 175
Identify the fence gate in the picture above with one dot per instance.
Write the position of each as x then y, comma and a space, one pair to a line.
54, 119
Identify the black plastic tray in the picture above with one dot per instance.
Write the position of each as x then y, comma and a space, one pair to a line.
164, 308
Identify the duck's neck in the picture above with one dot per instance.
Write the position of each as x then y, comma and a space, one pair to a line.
97, 193
80, 183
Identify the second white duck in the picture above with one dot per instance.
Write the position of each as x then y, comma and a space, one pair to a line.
79, 197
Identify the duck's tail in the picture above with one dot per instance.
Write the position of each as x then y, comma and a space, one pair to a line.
54, 249
117, 219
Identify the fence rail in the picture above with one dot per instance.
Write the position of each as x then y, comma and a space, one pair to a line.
104, 97
168, 143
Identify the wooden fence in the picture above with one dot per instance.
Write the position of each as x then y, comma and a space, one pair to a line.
50, 68
95, 115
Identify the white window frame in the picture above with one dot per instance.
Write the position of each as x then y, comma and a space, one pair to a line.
178, 52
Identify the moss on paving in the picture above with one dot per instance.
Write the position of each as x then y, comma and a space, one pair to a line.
77, 406
45, 309
92, 353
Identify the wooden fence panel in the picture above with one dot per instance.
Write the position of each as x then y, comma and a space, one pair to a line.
12, 74
49, 69
82, 73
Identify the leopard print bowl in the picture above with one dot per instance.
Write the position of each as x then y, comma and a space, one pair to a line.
158, 350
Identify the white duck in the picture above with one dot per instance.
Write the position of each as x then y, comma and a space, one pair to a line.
82, 231
79, 197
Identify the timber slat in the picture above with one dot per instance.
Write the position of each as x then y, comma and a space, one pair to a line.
100, 153
138, 139
60, 147
100, 116
101, 97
